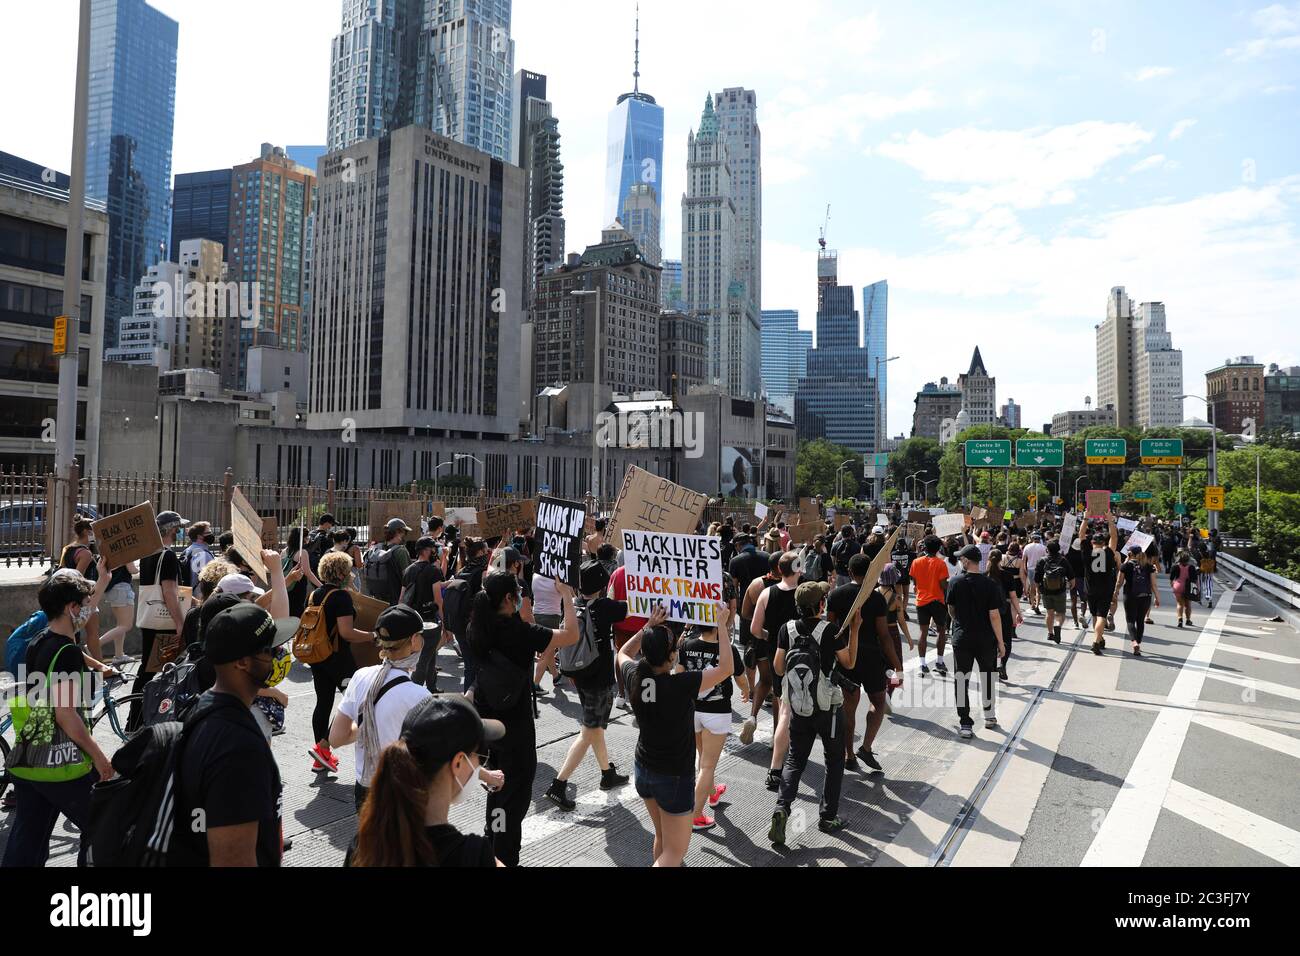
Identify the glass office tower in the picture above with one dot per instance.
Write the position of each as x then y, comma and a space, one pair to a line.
200, 209
875, 335
129, 141
635, 158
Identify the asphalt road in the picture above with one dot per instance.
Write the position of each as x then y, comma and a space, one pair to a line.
1188, 756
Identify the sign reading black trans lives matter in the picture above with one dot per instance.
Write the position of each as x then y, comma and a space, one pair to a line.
559, 537
681, 572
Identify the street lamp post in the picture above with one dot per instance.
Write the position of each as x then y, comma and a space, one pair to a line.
1076, 490
1214, 455
595, 392
839, 488
925, 489
472, 458
912, 478
445, 464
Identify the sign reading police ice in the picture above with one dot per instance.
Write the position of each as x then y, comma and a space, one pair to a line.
559, 536
680, 572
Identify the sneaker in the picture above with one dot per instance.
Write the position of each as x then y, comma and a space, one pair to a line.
1137, 650
1056, 635
966, 733
558, 794
747, 731
941, 668
703, 822
851, 763
621, 703
776, 832
611, 779
1110, 622
1180, 622
1002, 675
537, 690
774, 780
9, 803
324, 759
869, 758
925, 671
286, 845
831, 824
718, 791
1097, 646
990, 723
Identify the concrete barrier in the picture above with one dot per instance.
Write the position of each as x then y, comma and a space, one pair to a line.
1283, 590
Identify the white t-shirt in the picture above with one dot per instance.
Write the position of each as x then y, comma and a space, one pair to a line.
546, 600
1034, 552
390, 713
985, 548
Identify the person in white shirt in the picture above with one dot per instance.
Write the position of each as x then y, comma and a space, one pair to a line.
548, 612
1035, 551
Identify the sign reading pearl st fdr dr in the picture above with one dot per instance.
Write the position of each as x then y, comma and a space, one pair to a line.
1105, 451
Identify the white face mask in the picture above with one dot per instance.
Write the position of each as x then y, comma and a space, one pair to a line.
463, 788
82, 616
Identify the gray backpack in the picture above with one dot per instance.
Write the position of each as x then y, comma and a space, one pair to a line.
807, 688
578, 657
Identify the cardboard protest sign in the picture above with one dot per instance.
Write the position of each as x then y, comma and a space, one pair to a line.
560, 539
1027, 520
915, 531
246, 526
128, 535
918, 517
978, 514
805, 531
878, 563
1098, 503
502, 520
368, 609
270, 534
808, 509
681, 572
382, 512
842, 520
647, 502
1069, 528
1139, 538
760, 510
945, 525
438, 509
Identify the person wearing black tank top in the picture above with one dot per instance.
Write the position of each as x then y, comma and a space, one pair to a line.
775, 607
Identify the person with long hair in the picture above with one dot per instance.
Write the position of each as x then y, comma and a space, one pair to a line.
432, 766
296, 563
1182, 575
1007, 579
504, 647
327, 677
700, 651
664, 704
79, 556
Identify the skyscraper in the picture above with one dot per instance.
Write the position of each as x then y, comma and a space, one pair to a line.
875, 336
738, 119
641, 220
670, 286
711, 283
979, 392
271, 200
1157, 369
1115, 357
635, 156
407, 335
836, 399
129, 141
535, 148
200, 208
785, 356
445, 65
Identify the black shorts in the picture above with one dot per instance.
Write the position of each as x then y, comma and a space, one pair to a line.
869, 670
935, 611
597, 704
1099, 601
763, 650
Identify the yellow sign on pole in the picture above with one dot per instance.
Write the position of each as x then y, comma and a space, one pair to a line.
61, 335
1213, 497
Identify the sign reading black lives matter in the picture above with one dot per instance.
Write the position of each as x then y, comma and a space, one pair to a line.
680, 572
559, 539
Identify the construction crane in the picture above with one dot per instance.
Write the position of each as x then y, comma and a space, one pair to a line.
825, 226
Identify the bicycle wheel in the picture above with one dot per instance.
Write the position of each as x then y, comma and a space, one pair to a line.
116, 709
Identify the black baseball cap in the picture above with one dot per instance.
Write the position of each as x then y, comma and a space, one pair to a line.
971, 553
244, 631
397, 623
441, 726
593, 577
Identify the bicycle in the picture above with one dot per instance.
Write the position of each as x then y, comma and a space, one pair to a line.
116, 709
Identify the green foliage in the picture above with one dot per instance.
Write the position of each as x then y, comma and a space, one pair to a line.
913, 455
446, 483
816, 465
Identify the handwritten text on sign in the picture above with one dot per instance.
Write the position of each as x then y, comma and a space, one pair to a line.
681, 572
559, 534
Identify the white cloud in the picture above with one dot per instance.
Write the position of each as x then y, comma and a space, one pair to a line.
1153, 72
1181, 127
1151, 162
1278, 88
1277, 19
1280, 26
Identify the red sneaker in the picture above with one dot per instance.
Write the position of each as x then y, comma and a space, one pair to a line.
703, 822
324, 759
718, 791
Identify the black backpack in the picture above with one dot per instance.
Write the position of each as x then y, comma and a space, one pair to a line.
1056, 576
132, 817
174, 689
317, 546
416, 575
382, 578
457, 602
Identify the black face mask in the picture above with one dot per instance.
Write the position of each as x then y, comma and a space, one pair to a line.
209, 539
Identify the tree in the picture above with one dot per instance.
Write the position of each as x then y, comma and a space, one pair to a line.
913, 455
816, 465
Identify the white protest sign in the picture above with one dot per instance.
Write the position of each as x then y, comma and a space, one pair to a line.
462, 516
1069, 527
945, 525
680, 572
1139, 538
760, 510
882, 520
1126, 524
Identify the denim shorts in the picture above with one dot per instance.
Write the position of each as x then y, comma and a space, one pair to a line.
120, 595
597, 703
674, 795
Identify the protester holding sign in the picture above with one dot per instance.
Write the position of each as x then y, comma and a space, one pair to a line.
1137, 579
775, 607
701, 651
159, 616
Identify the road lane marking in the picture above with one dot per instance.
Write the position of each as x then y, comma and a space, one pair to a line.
1258, 655
1253, 734
1259, 686
1125, 832
1252, 831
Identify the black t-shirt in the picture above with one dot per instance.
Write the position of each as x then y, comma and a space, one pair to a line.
228, 772
417, 587
1075, 558
747, 565
72, 554
697, 654
829, 642
1100, 567
518, 641
970, 598
44, 649
842, 550
870, 656
664, 705
337, 603
1137, 579
902, 558
605, 613
170, 570
1011, 580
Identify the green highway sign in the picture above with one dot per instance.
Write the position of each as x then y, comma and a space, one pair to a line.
1180, 509
1116, 497
1143, 495
989, 453
1162, 451
1106, 451
1040, 453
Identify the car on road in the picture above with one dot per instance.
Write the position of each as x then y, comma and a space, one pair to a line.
22, 526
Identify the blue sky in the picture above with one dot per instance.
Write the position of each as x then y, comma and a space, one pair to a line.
1002, 166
